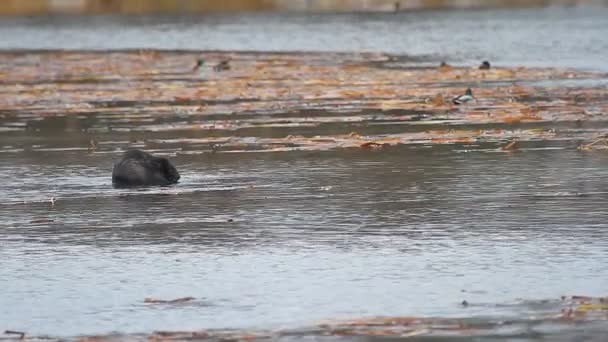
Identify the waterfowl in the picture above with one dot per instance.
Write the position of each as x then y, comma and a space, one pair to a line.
485, 65
461, 99
221, 66
199, 64
444, 67
138, 168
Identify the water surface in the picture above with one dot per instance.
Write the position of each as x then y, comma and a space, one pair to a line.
553, 36
287, 239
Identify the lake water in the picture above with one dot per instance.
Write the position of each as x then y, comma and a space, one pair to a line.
275, 240
573, 37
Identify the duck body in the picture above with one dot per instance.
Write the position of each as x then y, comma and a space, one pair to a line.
462, 99
222, 66
485, 65
199, 64
138, 168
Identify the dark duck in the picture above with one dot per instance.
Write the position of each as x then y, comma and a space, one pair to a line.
199, 64
222, 66
485, 65
138, 168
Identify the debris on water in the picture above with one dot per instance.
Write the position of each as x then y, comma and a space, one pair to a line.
13, 332
145, 91
553, 313
151, 300
437, 100
585, 308
372, 145
146, 95
182, 99
593, 144
582, 298
512, 145
41, 220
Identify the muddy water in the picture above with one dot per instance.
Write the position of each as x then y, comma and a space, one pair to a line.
269, 240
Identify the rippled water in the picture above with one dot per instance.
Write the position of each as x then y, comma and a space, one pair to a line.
285, 239
573, 37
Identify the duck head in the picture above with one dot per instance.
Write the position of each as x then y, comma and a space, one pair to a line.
199, 63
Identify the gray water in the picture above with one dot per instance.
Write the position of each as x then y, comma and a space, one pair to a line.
571, 37
325, 235
285, 239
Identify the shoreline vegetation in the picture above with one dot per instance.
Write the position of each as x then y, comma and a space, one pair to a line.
47, 7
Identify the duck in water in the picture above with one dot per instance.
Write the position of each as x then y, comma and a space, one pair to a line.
461, 99
199, 64
222, 66
138, 168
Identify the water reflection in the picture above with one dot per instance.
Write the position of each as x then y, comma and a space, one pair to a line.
285, 239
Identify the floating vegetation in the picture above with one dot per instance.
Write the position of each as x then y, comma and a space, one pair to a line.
545, 319
150, 300
271, 102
